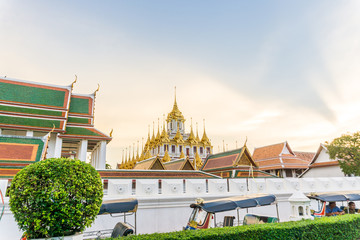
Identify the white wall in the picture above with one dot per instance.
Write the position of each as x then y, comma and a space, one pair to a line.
333, 171
161, 212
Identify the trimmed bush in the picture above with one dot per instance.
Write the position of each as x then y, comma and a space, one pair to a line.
55, 197
340, 227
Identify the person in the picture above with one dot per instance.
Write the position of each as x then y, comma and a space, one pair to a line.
351, 209
333, 210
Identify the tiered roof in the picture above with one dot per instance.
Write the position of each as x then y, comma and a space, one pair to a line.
153, 163
240, 157
33, 106
40, 107
317, 162
280, 156
237, 163
16, 152
179, 164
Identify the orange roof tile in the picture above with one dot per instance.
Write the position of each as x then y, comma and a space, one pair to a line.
270, 151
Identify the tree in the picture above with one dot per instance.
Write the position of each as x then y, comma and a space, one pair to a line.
346, 149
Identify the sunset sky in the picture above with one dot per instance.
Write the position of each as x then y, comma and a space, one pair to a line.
269, 70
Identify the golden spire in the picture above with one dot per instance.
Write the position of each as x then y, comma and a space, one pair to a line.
197, 133
197, 161
205, 140
147, 155
157, 139
152, 141
133, 158
178, 137
182, 155
166, 157
175, 113
223, 146
137, 154
191, 138
147, 144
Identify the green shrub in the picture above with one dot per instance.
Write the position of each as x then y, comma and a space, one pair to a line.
340, 227
55, 197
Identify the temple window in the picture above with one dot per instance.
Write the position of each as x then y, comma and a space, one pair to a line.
201, 150
172, 148
187, 151
208, 150
180, 148
194, 150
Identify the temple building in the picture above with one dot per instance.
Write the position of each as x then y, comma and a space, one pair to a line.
29, 111
172, 143
279, 159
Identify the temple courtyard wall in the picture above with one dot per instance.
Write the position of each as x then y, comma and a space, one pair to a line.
164, 205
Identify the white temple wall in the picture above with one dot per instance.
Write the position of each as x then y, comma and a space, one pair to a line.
334, 171
167, 208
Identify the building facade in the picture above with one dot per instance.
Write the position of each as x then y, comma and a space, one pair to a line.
172, 142
30, 109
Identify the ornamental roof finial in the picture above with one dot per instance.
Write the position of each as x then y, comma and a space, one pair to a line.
72, 85
205, 140
97, 90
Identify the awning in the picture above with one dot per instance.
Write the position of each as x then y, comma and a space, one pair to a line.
336, 196
247, 201
119, 206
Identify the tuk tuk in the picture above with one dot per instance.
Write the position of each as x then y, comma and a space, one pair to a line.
204, 211
116, 208
341, 196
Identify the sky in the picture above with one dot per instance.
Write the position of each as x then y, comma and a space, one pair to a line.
268, 71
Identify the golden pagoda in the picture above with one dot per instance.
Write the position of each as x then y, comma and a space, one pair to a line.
172, 142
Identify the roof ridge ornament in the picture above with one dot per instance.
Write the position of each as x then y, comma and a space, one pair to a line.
98, 88
72, 84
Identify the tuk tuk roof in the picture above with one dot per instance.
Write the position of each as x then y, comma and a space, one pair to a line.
246, 201
336, 196
119, 206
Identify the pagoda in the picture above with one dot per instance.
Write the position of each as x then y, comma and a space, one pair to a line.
173, 143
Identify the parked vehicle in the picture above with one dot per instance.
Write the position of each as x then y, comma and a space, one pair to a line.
204, 211
116, 208
341, 196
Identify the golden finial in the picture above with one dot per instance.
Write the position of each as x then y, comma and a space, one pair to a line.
197, 161
197, 133
223, 146
111, 132
122, 160
97, 89
182, 155
227, 148
175, 94
166, 157
133, 151
137, 155
245, 141
72, 84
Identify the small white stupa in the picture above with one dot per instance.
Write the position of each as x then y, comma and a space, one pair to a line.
300, 207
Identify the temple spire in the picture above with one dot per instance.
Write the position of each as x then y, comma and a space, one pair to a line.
205, 140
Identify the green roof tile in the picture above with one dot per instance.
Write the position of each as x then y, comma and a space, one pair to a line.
79, 105
30, 111
32, 122
79, 120
32, 95
81, 132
